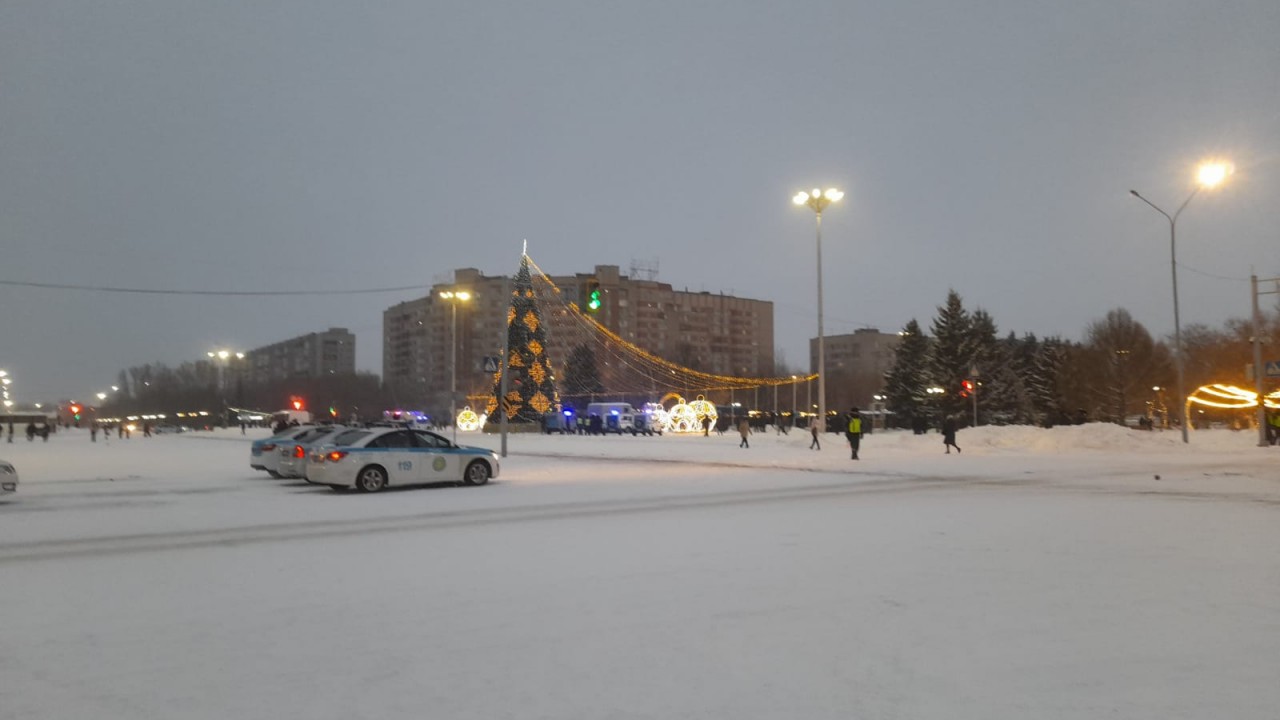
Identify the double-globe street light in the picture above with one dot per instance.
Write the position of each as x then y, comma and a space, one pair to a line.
1209, 176
818, 201
454, 297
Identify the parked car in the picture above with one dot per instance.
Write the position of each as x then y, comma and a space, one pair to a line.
265, 454
370, 459
8, 478
170, 429
293, 453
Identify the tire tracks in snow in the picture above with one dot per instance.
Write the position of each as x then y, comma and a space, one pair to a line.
445, 519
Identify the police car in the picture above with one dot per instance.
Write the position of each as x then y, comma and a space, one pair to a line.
265, 454
370, 459
294, 453
8, 478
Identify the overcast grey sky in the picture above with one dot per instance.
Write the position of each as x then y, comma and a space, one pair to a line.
983, 146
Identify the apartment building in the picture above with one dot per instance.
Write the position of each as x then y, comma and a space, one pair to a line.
710, 332
332, 352
856, 364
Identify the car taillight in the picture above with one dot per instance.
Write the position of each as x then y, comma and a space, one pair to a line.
298, 452
268, 447
335, 456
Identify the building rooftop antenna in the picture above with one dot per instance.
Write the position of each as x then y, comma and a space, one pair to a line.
644, 269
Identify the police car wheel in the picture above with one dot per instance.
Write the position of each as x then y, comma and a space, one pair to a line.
477, 473
371, 479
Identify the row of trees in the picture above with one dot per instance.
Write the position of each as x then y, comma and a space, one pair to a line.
158, 388
1110, 375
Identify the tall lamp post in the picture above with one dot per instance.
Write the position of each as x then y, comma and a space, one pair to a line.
818, 201
793, 401
221, 358
1209, 176
454, 297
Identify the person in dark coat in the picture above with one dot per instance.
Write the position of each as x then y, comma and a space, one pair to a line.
949, 435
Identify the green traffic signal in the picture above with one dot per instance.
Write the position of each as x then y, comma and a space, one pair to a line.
594, 301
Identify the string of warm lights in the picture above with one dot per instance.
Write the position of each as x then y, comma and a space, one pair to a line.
1238, 398
657, 370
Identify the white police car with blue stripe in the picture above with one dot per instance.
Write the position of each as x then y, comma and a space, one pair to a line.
370, 459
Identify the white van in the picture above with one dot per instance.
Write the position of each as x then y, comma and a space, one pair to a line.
615, 417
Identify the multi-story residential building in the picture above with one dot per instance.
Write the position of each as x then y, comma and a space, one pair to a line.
856, 364
332, 352
709, 332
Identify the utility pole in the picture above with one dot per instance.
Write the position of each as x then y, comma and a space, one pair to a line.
1259, 370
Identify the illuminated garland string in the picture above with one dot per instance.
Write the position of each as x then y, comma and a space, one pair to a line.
658, 367
1239, 397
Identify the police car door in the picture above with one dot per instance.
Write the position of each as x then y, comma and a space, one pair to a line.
440, 462
398, 457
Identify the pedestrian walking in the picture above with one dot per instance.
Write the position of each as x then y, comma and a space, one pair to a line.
814, 430
854, 431
949, 435
744, 429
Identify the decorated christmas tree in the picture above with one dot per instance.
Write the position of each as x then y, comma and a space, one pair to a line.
531, 392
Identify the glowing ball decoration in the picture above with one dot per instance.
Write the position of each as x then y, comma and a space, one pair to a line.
682, 419
704, 410
689, 417
468, 421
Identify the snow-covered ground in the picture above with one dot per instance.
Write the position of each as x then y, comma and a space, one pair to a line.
1039, 574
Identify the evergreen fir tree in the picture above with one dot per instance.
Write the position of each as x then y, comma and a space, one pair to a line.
950, 353
530, 390
1043, 378
582, 375
907, 380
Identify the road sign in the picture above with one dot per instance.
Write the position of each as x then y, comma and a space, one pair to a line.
1272, 369
490, 363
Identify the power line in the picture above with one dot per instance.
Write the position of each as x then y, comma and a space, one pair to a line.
155, 291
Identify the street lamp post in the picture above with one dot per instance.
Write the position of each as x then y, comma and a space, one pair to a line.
454, 297
221, 358
793, 401
818, 201
1210, 175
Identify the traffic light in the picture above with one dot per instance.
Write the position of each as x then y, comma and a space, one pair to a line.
594, 299
333, 411
966, 388
75, 411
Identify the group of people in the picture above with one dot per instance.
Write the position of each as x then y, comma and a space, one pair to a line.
33, 431
853, 433
123, 430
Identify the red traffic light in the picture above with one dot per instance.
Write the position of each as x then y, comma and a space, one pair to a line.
966, 387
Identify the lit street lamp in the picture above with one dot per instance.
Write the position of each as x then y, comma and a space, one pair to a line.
1209, 176
818, 201
454, 297
221, 358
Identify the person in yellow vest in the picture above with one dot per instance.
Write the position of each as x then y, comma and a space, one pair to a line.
854, 431
1273, 426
